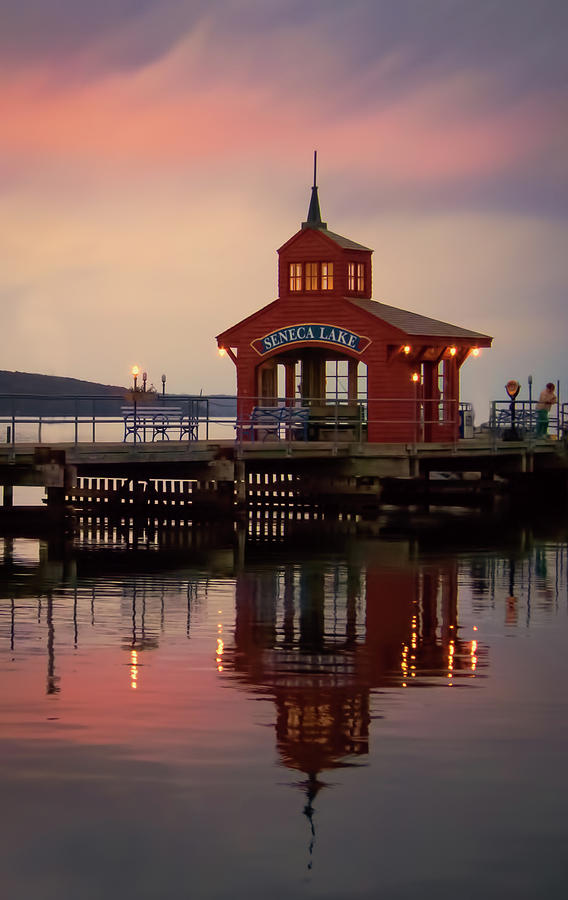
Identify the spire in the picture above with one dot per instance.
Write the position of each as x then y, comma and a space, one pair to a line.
314, 214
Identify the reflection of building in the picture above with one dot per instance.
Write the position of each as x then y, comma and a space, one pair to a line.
318, 639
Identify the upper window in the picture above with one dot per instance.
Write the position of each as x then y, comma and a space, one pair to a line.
295, 276
311, 276
356, 277
327, 276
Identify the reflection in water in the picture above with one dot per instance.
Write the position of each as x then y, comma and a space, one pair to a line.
52, 680
325, 637
320, 639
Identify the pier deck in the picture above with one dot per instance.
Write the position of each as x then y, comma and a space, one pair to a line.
212, 478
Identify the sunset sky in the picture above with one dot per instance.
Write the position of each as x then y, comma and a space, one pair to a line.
155, 153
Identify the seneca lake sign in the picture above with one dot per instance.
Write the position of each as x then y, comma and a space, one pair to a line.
299, 334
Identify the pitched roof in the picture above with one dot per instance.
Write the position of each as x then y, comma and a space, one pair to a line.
413, 323
344, 242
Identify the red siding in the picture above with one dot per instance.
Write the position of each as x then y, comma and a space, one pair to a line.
393, 399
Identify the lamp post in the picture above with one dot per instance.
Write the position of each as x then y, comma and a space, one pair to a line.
135, 372
415, 380
530, 380
144, 380
163, 385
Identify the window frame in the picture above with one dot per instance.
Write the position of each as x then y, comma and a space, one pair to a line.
295, 277
311, 276
356, 277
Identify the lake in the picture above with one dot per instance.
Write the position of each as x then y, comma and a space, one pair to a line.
292, 709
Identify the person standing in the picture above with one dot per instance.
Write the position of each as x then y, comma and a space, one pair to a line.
545, 403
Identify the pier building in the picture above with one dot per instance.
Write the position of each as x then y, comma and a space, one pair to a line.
370, 370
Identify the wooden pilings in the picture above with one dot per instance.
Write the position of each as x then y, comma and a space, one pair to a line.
173, 498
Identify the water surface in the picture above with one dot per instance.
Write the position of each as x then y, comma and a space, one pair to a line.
328, 711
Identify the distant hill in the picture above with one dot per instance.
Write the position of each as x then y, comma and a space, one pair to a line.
53, 385
47, 395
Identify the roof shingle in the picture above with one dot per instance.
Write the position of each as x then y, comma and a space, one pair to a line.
416, 324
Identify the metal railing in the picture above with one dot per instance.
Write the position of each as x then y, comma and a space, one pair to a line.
525, 418
32, 418
95, 419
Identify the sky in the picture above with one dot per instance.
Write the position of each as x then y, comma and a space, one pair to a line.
154, 154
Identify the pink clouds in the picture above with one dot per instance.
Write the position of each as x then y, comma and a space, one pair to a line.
130, 123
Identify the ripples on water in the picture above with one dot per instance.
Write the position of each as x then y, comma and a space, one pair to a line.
333, 710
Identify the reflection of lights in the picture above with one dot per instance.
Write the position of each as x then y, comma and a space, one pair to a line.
404, 664
451, 651
133, 669
475, 627
473, 656
219, 654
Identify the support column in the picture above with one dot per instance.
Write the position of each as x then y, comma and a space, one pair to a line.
290, 369
430, 397
352, 367
8, 496
313, 379
240, 483
451, 391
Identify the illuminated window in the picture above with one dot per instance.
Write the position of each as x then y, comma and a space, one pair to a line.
356, 277
311, 276
327, 276
295, 276
351, 277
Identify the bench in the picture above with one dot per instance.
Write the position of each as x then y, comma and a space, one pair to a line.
335, 421
157, 422
275, 421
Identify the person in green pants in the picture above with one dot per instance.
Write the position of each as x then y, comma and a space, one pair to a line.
545, 403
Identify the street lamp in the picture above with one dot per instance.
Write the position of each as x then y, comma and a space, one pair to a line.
530, 380
163, 385
415, 377
144, 380
135, 372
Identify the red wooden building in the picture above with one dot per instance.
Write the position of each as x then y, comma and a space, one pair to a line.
356, 364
